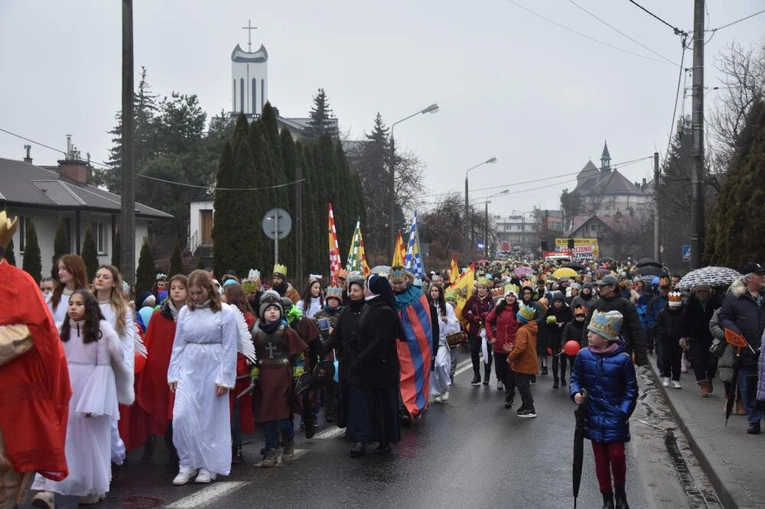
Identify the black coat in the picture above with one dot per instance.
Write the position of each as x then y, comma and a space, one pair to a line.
374, 355
553, 333
741, 314
632, 330
697, 320
672, 325
345, 334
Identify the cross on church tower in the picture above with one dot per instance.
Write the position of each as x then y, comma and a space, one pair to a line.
249, 29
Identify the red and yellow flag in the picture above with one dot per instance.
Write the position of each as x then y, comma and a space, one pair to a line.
454, 269
399, 251
335, 264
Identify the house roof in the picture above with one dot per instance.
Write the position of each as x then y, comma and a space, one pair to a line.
25, 184
619, 223
613, 182
258, 57
605, 155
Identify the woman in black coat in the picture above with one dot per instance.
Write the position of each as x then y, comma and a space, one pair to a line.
375, 372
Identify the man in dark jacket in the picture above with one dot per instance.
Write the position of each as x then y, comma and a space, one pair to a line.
632, 331
743, 312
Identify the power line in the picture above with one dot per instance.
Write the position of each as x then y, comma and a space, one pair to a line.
622, 33
32, 141
737, 21
677, 94
584, 35
677, 30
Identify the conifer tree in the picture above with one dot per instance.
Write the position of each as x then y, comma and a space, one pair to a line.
322, 118
10, 257
145, 274
176, 261
32, 263
116, 249
89, 254
61, 246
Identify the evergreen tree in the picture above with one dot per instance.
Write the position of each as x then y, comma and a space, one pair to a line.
322, 120
116, 247
145, 274
10, 257
32, 262
61, 246
176, 261
89, 253
737, 235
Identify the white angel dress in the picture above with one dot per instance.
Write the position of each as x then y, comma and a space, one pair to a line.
204, 356
91, 409
439, 375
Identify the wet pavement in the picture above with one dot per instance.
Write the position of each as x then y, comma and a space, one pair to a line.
469, 452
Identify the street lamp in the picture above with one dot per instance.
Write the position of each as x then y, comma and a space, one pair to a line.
433, 108
486, 221
467, 209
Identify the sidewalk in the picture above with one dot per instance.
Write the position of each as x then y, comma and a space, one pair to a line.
733, 460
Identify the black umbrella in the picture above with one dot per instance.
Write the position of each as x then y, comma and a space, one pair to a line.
648, 262
576, 266
607, 259
579, 413
649, 270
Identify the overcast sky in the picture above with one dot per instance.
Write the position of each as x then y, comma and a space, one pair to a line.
510, 85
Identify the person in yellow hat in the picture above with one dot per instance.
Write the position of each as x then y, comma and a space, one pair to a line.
280, 285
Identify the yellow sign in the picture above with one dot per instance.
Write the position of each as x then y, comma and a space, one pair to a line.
577, 242
584, 249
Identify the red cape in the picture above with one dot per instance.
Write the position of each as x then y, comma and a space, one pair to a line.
152, 392
34, 388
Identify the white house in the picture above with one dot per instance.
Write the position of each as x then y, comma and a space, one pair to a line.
47, 195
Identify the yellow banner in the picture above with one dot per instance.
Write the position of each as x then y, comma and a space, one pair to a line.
577, 242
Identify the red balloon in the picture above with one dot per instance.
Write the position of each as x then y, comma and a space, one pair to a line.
571, 347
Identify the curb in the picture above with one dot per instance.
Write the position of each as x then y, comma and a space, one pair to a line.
723, 493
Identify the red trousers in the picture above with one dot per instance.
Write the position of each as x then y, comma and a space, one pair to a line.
610, 457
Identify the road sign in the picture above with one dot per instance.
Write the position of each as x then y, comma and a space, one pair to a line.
686, 252
277, 223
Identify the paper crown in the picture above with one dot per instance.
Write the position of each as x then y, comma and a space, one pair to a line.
342, 273
526, 313
280, 270
397, 273
253, 275
511, 289
161, 276
355, 277
482, 281
334, 292
580, 310
311, 277
675, 299
606, 324
664, 281
497, 292
7, 227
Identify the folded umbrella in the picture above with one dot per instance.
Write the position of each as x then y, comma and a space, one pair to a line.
579, 413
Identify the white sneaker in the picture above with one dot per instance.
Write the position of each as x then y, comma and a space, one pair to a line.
183, 477
437, 399
44, 500
665, 383
445, 397
204, 477
676, 385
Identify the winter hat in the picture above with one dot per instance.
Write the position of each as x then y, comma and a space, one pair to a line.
606, 324
451, 297
557, 296
268, 302
675, 299
145, 299
526, 314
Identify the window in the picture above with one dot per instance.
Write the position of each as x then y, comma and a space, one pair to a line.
22, 233
593, 227
262, 94
233, 95
99, 236
241, 95
254, 94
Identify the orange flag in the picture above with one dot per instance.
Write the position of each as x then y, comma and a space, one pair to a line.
737, 340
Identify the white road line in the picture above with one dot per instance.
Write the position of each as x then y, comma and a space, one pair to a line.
329, 433
465, 366
298, 453
207, 495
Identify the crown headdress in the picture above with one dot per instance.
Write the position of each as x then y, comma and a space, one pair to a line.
336, 292
280, 269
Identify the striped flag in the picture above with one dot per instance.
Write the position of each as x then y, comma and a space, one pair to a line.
413, 262
357, 257
335, 263
399, 252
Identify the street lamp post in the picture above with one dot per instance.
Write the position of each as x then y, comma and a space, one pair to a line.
433, 108
486, 221
467, 240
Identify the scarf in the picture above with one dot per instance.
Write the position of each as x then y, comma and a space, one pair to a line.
611, 348
204, 305
172, 309
280, 289
269, 327
332, 311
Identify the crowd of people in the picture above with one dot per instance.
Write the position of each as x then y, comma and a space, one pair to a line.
202, 362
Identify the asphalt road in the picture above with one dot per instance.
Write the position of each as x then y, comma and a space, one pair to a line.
469, 452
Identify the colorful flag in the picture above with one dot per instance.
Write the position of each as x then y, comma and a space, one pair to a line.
399, 252
414, 350
462, 289
737, 340
454, 270
357, 257
335, 263
413, 262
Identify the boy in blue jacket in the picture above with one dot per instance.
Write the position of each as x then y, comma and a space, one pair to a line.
604, 380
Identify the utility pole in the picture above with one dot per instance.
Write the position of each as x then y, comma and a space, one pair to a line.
392, 211
486, 230
127, 215
656, 214
467, 242
697, 146
299, 224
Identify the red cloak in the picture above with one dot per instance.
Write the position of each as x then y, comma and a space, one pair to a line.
152, 392
34, 387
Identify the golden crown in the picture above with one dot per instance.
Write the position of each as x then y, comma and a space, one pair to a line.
675, 297
280, 269
7, 227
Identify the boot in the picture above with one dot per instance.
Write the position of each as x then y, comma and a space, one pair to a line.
562, 381
358, 450
288, 453
148, 448
608, 501
476, 378
236, 455
555, 381
486, 376
272, 457
621, 498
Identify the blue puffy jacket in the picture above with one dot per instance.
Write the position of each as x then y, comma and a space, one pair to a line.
612, 392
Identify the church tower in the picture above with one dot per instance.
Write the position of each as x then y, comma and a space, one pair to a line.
605, 159
249, 76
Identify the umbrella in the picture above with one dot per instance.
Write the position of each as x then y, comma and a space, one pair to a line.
380, 269
649, 270
565, 272
712, 276
607, 259
579, 413
648, 262
522, 271
576, 266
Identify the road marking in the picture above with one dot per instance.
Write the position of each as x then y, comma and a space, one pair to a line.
207, 495
329, 433
298, 453
465, 366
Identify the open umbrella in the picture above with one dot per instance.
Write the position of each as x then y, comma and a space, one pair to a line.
647, 262
576, 266
565, 272
522, 271
649, 270
712, 276
579, 413
606, 259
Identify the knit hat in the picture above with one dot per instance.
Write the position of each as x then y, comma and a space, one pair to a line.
526, 314
451, 297
557, 296
606, 324
269, 301
334, 292
675, 299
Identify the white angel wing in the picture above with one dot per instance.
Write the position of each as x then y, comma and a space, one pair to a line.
245, 346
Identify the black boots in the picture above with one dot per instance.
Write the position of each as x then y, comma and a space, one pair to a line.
236, 455
358, 450
621, 499
608, 501
555, 383
476, 378
486, 377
